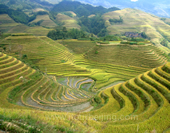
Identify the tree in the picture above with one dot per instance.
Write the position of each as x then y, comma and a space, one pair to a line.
164, 42
94, 25
143, 34
63, 33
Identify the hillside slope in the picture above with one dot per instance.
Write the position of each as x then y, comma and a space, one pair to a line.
67, 21
44, 21
53, 58
30, 100
137, 21
27, 4
6, 23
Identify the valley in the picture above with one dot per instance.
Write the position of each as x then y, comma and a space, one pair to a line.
75, 69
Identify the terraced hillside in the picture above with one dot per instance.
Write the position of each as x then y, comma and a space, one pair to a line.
46, 21
8, 25
127, 55
79, 58
69, 22
32, 89
137, 21
49, 56
139, 104
66, 81
147, 56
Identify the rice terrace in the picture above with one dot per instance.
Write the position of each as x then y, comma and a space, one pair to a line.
71, 67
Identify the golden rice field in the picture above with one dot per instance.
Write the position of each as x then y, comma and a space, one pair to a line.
77, 91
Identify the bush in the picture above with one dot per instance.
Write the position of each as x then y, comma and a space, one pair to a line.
132, 43
4, 48
123, 42
114, 21
97, 100
96, 52
24, 56
138, 39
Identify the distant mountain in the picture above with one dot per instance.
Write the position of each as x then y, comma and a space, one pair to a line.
156, 7
92, 19
81, 9
27, 4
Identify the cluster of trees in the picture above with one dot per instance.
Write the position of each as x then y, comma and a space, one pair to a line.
95, 25
164, 42
137, 39
114, 21
111, 38
63, 33
143, 34
27, 4
17, 15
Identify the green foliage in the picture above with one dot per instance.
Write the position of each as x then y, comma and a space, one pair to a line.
2, 6
111, 38
66, 34
17, 15
164, 42
42, 13
4, 48
2, 45
167, 56
4, 35
95, 25
24, 56
63, 61
94, 39
68, 14
132, 43
115, 21
143, 34
97, 100
53, 17
137, 39
96, 52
